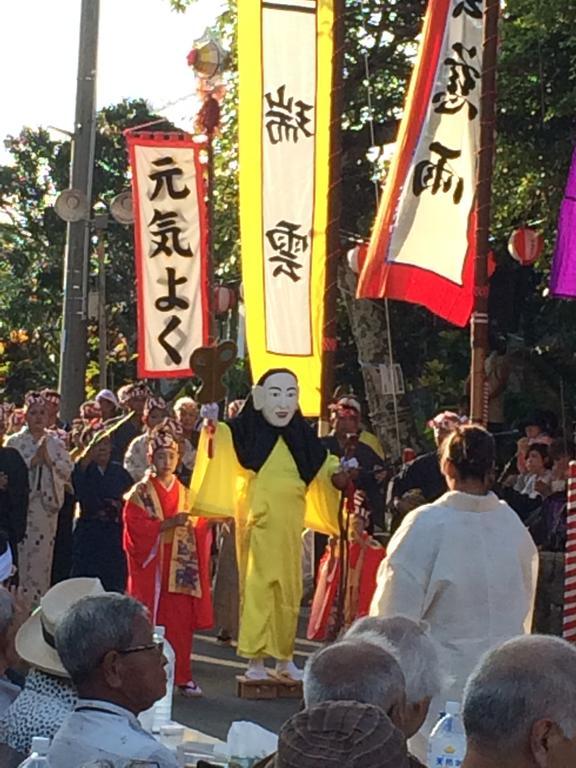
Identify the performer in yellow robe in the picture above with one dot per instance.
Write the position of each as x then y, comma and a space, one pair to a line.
269, 471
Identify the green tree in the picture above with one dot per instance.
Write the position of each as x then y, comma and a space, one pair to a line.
32, 239
535, 136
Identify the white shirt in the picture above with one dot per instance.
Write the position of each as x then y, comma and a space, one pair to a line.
100, 730
467, 566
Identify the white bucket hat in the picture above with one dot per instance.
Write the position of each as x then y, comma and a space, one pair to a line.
34, 640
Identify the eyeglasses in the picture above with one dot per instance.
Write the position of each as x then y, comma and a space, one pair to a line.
156, 645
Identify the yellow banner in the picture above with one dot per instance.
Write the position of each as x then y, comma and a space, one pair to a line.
285, 66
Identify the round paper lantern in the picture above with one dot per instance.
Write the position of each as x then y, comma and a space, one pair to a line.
356, 257
525, 245
224, 299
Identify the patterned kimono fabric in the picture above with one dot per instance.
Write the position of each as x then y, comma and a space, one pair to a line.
47, 484
171, 577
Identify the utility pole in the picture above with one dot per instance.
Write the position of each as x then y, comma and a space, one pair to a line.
479, 321
73, 344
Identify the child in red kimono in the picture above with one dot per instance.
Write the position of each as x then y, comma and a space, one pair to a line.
168, 555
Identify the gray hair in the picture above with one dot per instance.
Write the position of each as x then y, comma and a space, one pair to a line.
6, 610
358, 671
410, 644
524, 680
91, 628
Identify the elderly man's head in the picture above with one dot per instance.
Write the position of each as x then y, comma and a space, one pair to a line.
107, 646
356, 671
410, 644
520, 705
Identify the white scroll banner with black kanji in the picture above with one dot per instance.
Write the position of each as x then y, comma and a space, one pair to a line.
423, 244
285, 60
170, 238
289, 88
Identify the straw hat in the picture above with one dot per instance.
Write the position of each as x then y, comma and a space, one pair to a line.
35, 639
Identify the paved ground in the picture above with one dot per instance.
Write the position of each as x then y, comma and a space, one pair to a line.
214, 668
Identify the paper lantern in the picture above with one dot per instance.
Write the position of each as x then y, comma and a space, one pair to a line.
356, 257
224, 299
525, 245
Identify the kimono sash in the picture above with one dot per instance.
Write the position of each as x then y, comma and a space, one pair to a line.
184, 569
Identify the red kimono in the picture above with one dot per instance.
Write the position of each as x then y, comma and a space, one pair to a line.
175, 590
364, 558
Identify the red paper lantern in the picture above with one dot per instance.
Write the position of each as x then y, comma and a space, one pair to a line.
224, 299
356, 257
525, 245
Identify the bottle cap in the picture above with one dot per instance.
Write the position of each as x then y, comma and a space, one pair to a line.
453, 707
40, 745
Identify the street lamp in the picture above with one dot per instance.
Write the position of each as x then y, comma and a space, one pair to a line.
72, 206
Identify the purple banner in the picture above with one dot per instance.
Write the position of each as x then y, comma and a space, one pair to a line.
563, 276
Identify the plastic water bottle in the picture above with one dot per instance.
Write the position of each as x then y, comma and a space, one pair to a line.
447, 743
38, 753
163, 707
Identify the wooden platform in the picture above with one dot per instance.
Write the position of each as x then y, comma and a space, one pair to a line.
271, 688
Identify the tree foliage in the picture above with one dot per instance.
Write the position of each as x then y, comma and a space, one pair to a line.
32, 241
535, 136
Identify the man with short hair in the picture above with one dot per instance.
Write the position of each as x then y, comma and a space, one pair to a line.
356, 671
412, 647
106, 644
519, 706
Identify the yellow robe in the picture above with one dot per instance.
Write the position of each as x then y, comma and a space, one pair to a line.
271, 508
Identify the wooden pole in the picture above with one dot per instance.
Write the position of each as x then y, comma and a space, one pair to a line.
329, 342
479, 323
210, 239
100, 223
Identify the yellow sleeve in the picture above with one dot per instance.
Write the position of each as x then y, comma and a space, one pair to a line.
323, 500
372, 442
213, 488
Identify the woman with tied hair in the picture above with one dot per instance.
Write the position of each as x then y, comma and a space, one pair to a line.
168, 555
49, 470
465, 564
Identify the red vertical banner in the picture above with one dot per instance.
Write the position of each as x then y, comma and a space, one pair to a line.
168, 190
422, 246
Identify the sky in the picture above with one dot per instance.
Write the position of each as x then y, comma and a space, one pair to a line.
142, 54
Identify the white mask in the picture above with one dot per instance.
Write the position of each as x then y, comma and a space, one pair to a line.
277, 398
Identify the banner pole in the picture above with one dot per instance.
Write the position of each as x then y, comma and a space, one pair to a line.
329, 341
479, 320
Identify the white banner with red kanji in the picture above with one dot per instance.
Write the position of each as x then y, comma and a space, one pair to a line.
423, 243
171, 252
